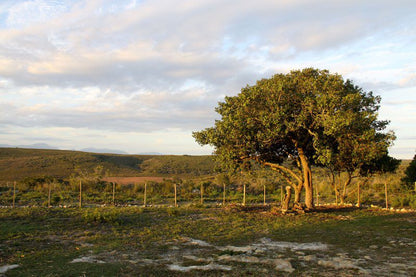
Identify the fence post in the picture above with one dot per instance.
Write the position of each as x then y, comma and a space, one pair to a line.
358, 195
14, 193
49, 194
223, 195
144, 195
202, 193
80, 193
317, 195
176, 204
385, 191
114, 192
264, 195
244, 194
336, 194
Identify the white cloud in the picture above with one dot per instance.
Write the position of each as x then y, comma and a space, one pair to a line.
155, 65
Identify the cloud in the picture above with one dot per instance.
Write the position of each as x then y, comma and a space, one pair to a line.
162, 64
82, 44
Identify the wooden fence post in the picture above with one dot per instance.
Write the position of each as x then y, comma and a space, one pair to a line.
336, 195
317, 195
385, 191
223, 195
176, 204
244, 194
14, 193
202, 193
80, 193
49, 194
264, 195
144, 195
114, 193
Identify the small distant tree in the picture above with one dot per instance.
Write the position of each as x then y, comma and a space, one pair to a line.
410, 175
91, 177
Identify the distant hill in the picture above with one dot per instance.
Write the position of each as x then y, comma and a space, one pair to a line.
18, 163
103, 150
44, 146
30, 146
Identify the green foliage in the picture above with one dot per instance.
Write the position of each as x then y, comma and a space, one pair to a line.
309, 109
309, 116
410, 175
404, 200
110, 215
383, 164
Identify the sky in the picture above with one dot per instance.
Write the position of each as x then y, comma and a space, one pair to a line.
141, 76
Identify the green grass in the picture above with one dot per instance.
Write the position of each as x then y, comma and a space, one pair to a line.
44, 241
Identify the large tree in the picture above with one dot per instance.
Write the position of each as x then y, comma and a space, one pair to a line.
307, 116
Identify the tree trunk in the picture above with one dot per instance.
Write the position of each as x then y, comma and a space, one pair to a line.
344, 189
307, 179
298, 192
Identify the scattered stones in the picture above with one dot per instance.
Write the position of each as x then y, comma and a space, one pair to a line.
279, 264
87, 259
211, 266
283, 265
339, 263
294, 246
197, 242
309, 258
244, 249
239, 258
268, 257
197, 259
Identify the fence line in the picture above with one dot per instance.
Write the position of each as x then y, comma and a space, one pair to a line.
89, 196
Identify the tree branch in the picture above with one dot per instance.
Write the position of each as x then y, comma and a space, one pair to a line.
284, 169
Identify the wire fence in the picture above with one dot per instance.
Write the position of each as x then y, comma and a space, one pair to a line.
14, 194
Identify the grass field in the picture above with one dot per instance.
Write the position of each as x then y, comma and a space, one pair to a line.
206, 241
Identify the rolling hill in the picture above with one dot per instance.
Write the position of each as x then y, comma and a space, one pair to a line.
19, 163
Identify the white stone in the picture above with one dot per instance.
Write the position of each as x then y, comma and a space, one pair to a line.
87, 259
210, 266
5, 268
283, 265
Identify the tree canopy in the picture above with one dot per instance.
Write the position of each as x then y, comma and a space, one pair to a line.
308, 116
